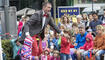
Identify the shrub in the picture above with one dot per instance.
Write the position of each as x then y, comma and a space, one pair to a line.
7, 49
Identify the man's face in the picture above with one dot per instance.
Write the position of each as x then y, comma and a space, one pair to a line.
47, 8
95, 17
81, 31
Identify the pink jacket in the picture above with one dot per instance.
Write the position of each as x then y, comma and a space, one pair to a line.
20, 26
89, 44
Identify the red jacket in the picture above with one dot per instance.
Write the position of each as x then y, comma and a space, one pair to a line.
36, 51
89, 44
65, 46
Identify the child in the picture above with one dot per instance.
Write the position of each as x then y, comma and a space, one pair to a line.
55, 40
55, 55
50, 41
32, 48
75, 29
16, 46
99, 42
51, 51
44, 43
46, 55
65, 46
88, 46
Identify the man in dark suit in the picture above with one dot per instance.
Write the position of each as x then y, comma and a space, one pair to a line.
39, 20
35, 26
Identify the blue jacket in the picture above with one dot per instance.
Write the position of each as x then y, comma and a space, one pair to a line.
80, 40
15, 48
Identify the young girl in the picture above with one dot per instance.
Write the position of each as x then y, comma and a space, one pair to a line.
55, 55
44, 43
46, 55
50, 41
65, 46
88, 46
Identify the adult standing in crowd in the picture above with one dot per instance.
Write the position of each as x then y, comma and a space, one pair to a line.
80, 40
95, 22
79, 20
21, 24
90, 18
33, 29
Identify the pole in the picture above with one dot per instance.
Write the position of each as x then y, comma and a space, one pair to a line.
92, 6
54, 10
1, 10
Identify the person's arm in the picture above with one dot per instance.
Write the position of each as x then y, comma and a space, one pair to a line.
52, 24
27, 55
90, 25
91, 46
13, 41
103, 46
94, 43
77, 39
101, 22
83, 47
46, 44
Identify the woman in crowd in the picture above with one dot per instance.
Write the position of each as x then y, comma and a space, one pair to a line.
99, 42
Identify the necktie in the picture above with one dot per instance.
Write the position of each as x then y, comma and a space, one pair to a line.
45, 15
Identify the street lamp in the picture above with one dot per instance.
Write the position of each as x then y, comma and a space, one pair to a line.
92, 4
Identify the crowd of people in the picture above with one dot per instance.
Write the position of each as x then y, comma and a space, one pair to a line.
81, 37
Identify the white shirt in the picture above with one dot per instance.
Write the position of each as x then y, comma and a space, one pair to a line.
43, 20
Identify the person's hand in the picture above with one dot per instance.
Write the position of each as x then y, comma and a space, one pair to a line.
36, 57
89, 49
28, 35
96, 54
94, 51
61, 33
75, 44
97, 49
